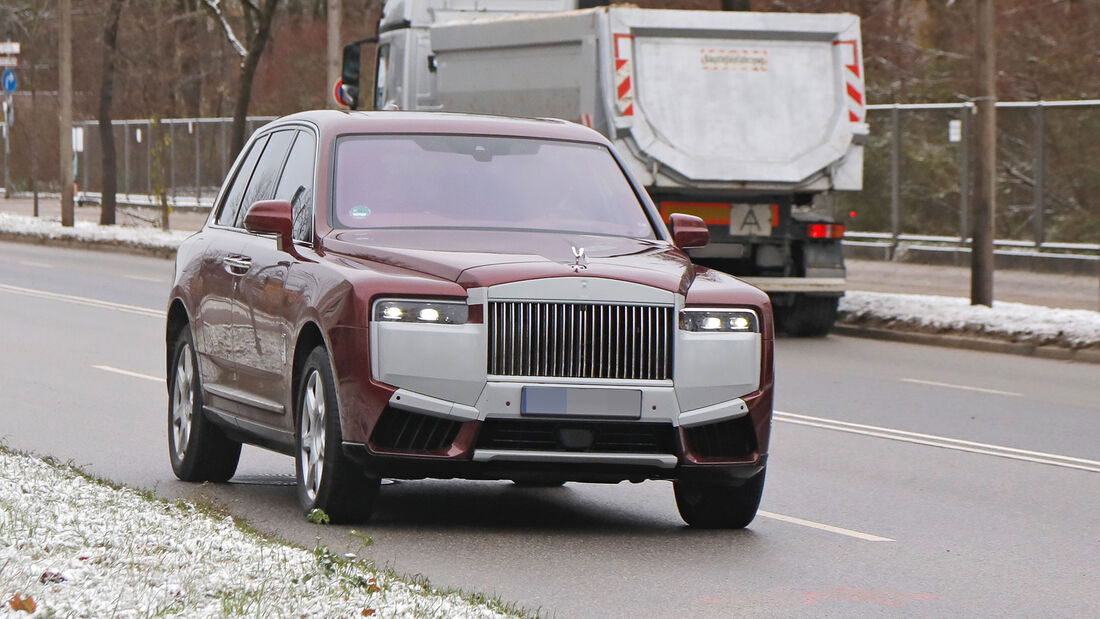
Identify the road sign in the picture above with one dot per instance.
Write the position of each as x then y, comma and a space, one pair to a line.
8, 81
9, 61
9, 48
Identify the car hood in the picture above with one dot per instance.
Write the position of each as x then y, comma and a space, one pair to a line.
480, 258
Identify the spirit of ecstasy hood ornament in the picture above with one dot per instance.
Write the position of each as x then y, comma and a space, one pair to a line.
580, 262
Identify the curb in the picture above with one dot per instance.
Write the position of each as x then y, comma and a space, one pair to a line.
168, 253
948, 340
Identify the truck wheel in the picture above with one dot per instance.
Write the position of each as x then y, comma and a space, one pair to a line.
327, 480
809, 316
199, 450
706, 506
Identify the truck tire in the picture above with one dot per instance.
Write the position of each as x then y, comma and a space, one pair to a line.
809, 316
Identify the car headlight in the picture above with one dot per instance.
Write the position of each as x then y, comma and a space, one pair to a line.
719, 320
422, 312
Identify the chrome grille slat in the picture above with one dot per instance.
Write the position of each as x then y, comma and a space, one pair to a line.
580, 340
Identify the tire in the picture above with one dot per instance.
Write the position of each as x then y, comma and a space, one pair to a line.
327, 480
719, 507
809, 316
198, 449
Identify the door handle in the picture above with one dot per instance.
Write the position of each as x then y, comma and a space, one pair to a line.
237, 265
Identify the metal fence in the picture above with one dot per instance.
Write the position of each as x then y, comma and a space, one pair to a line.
186, 158
919, 164
918, 168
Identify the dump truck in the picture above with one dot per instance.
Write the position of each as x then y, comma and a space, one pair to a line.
748, 120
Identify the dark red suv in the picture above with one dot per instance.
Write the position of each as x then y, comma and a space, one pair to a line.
412, 295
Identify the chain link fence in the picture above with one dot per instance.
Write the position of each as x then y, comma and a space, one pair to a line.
919, 171
185, 159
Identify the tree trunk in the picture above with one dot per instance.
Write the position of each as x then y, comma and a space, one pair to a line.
109, 182
736, 5
256, 46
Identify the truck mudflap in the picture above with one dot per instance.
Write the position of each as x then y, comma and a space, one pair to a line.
834, 286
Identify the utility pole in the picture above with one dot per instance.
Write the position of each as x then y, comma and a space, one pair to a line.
985, 178
65, 94
335, 49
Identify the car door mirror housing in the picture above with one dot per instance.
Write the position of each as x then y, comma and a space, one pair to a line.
273, 217
688, 231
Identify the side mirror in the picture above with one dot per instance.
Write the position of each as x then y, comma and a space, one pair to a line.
688, 231
273, 217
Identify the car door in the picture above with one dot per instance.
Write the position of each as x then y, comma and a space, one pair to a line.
262, 325
219, 271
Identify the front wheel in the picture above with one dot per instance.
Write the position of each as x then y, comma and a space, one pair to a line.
327, 480
719, 506
199, 450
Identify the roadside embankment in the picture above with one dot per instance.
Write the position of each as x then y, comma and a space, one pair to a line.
74, 546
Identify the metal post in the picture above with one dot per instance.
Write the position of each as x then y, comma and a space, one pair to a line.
1040, 173
172, 156
964, 175
126, 156
225, 144
198, 172
84, 156
149, 159
895, 178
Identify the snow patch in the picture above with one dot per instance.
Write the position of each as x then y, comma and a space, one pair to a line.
1016, 321
80, 548
89, 232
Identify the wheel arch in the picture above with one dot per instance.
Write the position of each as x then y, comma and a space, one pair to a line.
178, 320
309, 337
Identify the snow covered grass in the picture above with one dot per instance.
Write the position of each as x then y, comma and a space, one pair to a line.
74, 546
1014, 321
89, 232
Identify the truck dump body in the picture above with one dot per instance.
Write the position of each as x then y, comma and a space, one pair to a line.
741, 101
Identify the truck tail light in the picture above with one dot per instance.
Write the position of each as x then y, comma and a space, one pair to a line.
825, 231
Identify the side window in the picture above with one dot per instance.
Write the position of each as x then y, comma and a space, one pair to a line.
232, 202
262, 185
296, 185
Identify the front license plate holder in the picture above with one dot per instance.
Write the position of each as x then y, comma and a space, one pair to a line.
580, 402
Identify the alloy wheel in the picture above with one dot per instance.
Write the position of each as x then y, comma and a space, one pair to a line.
183, 401
313, 434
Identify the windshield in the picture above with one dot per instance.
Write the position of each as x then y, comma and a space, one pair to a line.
454, 181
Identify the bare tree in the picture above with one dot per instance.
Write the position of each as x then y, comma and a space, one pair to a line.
257, 18
106, 97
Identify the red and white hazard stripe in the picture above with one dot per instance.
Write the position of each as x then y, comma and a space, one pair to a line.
853, 80
624, 87
586, 120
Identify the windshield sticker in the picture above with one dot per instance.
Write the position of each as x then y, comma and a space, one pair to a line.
734, 59
360, 212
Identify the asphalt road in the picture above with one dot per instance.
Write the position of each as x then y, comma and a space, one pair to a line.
904, 480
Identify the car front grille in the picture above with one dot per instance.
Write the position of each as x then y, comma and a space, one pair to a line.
577, 436
580, 340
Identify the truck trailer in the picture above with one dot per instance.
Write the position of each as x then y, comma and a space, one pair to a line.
748, 120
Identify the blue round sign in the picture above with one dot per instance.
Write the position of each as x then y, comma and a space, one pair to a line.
9, 82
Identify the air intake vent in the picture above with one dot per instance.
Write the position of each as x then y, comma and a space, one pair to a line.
599, 437
726, 439
404, 431
580, 340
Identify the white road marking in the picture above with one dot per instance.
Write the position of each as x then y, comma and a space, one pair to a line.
37, 265
943, 442
963, 387
143, 278
107, 368
824, 527
121, 307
